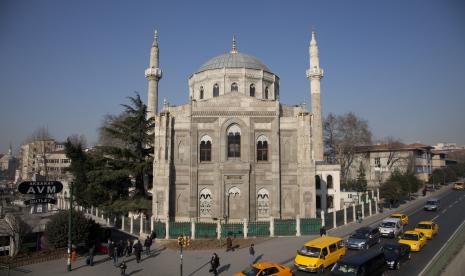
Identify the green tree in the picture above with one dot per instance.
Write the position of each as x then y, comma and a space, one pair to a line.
390, 191
83, 230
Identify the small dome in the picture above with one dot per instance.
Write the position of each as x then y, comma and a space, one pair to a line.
233, 60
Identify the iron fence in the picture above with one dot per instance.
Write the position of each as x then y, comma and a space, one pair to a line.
309, 226
258, 229
285, 227
205, 230
179, 228
232, 229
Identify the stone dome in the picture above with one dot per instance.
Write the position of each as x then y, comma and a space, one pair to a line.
233, 60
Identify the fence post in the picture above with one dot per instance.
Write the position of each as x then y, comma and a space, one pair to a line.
245, 228
141, 224
334, 218
92, 210
297, 226
102, 216
363, 210
131, 229
372, 193
192, 229
345, 214
376, 205
353, 212
323, 218
271, 226
122, 223
369, 205
377, 194
96, 212
167, 229
151, 225
218, 229
108, 221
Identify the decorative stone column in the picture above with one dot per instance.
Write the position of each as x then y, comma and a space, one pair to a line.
96, 211
353, 212
334, 218
218, 230
192, 230
245, 229
363, 210
141, 228
108, 221
131, 227
151, 225
369, 207
322, 218
271, 226
345, 214
167, 229
376, 205
297, 226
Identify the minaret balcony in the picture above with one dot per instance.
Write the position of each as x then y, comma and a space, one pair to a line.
153, 73
314, 72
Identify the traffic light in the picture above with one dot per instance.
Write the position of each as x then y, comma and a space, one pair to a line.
180, 240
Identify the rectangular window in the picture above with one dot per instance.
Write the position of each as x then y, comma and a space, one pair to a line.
378, 162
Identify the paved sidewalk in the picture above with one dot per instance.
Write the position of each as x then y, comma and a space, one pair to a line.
166, 261
457, 265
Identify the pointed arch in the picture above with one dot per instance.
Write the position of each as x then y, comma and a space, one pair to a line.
201, 93
234, 141
205, 203
252, 90
216, 90
262, 148
234, 87
263, 203
205, 149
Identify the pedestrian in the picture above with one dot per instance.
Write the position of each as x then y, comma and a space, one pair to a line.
128, 248
90, 257
114, 253
137, 250
110, 249
214, 264
229, 244
147, 244
322, 231
123, 268
359, 216
120, 248
251, 254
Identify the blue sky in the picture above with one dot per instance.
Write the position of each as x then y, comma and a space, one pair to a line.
398, 64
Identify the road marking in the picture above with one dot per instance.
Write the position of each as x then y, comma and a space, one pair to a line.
440, 250
435, 218
450, 205
444, 211
455, 202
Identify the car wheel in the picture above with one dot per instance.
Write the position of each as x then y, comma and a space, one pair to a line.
398, 265
321, 269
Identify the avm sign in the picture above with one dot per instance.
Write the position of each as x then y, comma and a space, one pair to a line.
40, 187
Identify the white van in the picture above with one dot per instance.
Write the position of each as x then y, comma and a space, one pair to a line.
391, 227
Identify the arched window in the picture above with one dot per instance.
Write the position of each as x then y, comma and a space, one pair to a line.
252, 90
329, 202
201, 92
266, 92
234, 141
206, 148
205, 203
263, 203
216, 90
317, 182
329, 182
318, 202
234, 87
262, 148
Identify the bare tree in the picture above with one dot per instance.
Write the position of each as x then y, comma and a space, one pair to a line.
394, 147
78, 139
342, 134
45, 144
16, 229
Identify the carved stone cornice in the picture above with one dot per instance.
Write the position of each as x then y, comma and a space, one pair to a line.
231, 113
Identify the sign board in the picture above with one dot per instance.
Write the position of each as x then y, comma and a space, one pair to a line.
40, 187
43, 200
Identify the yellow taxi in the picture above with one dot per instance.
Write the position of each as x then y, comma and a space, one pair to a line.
403, 218
416, 240
428, 228
458, 186
317, 254
260, 269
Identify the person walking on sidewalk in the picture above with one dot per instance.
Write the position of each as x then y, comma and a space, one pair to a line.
137, 250
251, 254
214, 264
322, 231
90, 258
147, 244
123, 268
359, 216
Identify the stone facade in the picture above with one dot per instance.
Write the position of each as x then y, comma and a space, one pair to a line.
234, 151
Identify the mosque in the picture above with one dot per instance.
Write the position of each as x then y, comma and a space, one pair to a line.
234, 151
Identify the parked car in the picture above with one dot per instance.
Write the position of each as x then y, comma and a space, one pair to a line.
391, 227
416, 240
263, 269
395, 254
370, 262
363, 238
428, 228
317, 254
432, 204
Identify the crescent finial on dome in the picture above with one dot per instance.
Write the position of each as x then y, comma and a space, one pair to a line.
234, 49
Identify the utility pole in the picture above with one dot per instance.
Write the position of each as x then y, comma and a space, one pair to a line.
70, 215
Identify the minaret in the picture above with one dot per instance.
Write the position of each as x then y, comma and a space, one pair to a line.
315, 74
153, 75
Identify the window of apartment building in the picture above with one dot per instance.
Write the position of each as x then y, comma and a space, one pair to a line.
329, 181
317, 182
377, 162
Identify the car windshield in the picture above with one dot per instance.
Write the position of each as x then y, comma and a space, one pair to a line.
310, 251
431, 202
391, 249
395, 216
359, 235
344, 269
251, 271
387, 224
424, 226
410, 237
